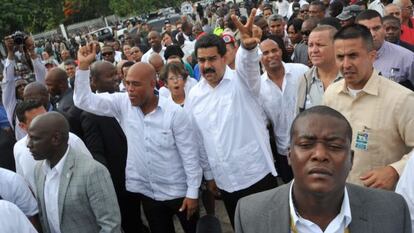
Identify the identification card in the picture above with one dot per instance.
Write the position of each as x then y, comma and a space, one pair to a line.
361, 141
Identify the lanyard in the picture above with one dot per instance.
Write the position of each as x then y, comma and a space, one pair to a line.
293, 228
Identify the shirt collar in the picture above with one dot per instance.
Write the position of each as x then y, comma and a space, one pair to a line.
371, 87
58, 167
344, 214
316, 78
382, 49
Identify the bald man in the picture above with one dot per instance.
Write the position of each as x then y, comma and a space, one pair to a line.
154, 40
158, 63
162, 167
75, 193
61, 98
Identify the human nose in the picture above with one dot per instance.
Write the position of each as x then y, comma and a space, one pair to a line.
346, 63
320, 152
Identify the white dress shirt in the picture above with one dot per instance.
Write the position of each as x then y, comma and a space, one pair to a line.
13, 188
405, 187
147, 55
162, 160
337, 225
189, 84
25, 163
12, 220
232, 126
51, 192
8, 86
280, 104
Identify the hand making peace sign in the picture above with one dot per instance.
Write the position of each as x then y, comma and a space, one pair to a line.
250, 34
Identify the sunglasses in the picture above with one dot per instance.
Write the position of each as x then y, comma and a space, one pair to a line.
303, 11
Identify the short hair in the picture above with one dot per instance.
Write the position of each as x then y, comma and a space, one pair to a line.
268, 7
332, 30
275, 17
296, 23
367, 15
279, 41
356, 31
392, 19
126, 64
331, 21
208, 41
322, 111
95, 71
175, 67
70, 62
319, 4
24, 106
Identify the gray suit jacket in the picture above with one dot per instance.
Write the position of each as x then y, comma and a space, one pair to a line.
372, 210
86, 200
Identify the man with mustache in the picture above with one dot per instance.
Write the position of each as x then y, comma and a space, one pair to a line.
230, 122
319, 199
380, 111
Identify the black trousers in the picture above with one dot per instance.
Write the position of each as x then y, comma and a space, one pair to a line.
230, 199
130, 207
159, 215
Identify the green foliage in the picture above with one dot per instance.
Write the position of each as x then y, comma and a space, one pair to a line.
40, 15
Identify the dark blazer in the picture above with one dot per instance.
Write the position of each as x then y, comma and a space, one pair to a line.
372, 210
64, 104
107, 143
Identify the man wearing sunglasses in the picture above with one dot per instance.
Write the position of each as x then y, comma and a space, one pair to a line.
108, 54
301, 50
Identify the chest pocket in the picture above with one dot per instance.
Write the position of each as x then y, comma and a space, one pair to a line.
164, 136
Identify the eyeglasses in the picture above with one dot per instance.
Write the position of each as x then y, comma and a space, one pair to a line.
408, 7
305, 33
175, 78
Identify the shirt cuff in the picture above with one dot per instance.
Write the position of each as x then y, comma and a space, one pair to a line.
208, 175
192, 193
82, 72
398, 166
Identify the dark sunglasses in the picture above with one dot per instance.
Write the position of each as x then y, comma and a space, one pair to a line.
107, 54
305, 33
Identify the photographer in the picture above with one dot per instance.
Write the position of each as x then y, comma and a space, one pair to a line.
8, 85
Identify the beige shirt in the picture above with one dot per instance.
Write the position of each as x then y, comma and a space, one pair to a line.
381, 116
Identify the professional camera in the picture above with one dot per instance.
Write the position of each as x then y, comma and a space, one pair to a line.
19, 37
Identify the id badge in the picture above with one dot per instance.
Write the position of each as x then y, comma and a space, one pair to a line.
361, 141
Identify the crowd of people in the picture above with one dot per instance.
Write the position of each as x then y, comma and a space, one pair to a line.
297, 116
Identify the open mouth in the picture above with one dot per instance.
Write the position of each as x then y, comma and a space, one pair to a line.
320, 171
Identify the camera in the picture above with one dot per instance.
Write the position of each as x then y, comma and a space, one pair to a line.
19, 37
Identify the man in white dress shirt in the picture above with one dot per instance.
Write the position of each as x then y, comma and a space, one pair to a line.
278, 93
26, 111
230, 121
154, 40
162, 161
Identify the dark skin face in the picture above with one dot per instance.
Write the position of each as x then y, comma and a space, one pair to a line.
107, 80
48, 137
320, 155
56, 82
36, 91
154, 40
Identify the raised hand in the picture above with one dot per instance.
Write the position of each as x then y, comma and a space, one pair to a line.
86, 56
250, 34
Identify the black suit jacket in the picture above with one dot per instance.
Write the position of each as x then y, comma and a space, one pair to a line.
107, 143
64, 104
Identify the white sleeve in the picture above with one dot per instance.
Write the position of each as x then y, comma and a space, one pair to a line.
8, 87
78, 145
248, 69
405, 186
12, 219
104, 104
39, 70
22, 196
